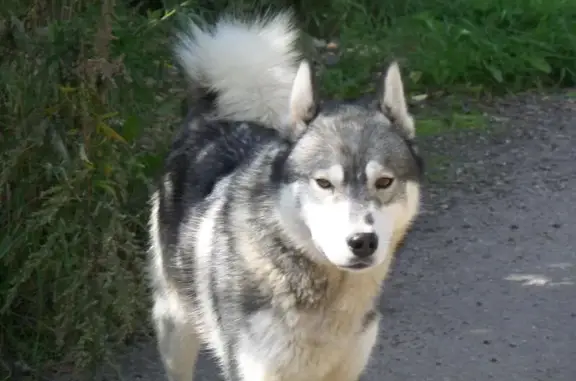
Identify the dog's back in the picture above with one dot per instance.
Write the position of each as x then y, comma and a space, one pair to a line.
202, 154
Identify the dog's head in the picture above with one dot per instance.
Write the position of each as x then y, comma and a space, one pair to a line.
352, 178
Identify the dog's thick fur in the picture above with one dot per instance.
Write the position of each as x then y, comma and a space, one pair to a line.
251, 64
277, 216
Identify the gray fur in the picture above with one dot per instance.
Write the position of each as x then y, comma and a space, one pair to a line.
240, 260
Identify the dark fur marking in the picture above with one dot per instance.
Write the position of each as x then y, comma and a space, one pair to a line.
369, 318
227, 246
199, 101
277, 174
413, 147
202, 153
297, 267
253, 300
233, 371
369, 219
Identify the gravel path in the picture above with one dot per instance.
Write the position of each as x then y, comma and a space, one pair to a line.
485, 286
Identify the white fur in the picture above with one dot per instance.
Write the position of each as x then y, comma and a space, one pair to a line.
359, 354
177, 340
302, 100
334, 174
394, 100
408, 212
272, 351
252, 64
332, 222
324, 224
176, 335
260, 349
374, 171
331, 218
205, 236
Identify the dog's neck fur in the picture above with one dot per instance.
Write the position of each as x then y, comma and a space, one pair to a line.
299, 280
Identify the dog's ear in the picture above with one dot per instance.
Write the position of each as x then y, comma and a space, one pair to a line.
393, 101
303, 102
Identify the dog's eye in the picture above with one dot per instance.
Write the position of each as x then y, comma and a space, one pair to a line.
324, 184
383, 182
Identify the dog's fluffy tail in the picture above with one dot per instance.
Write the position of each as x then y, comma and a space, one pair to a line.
249, 64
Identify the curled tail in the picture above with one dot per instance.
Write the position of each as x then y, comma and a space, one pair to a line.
249, 64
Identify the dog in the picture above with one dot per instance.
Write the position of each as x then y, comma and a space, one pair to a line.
277, 215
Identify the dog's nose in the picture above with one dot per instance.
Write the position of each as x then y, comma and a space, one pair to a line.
363, 244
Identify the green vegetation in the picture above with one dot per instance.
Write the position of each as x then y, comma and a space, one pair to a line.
473, 45
88, 101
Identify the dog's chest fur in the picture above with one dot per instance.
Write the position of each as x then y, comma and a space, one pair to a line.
313, 313
310, 332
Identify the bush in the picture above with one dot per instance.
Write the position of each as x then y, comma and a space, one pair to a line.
78, 111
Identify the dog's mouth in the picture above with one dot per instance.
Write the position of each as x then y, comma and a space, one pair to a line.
359, 265
353, 265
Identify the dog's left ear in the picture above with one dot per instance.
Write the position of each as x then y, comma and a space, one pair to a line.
393, 101
303, 102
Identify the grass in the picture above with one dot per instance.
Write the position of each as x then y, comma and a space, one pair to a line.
471, 45
88, 101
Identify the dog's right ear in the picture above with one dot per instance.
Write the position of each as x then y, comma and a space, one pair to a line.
303, 102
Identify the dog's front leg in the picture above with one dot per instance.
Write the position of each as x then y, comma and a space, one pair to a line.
178, 343
250, 365
257, 353
351, 368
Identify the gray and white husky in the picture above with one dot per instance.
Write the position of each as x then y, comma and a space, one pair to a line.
277, 215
